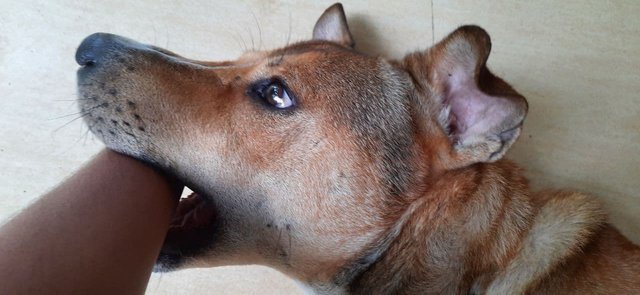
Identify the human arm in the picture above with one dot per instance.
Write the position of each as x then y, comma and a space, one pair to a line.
100, 231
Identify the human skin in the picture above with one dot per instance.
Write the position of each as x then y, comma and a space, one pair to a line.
98, 232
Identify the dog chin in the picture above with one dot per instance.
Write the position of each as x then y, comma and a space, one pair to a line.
192, 233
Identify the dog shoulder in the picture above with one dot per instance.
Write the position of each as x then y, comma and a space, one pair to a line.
564, 224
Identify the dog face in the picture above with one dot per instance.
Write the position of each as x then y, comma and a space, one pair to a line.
302, 158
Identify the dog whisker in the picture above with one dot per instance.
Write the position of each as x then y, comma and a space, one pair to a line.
71, 145
235, 38
155, 33
69, 115
66, 124
82, 115
253, 46
86, 134
71, 99
284, 52
80, 112
255, 19
244, 44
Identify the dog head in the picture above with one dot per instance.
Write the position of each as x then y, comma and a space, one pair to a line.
302, 158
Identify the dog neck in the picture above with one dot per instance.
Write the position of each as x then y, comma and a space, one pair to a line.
468, 223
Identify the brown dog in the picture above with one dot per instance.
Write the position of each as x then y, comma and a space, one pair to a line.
351, 173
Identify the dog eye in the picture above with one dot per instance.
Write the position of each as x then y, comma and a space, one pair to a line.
276, 95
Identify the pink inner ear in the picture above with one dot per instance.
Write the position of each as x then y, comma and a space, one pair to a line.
472, 112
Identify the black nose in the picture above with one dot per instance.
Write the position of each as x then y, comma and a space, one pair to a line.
101, 47
93, 48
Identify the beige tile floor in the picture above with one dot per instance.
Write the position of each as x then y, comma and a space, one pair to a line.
577, 62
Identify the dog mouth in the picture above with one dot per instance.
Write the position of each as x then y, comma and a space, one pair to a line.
192, 231
192, 212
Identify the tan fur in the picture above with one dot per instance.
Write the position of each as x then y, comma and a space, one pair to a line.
386, 177
562, 227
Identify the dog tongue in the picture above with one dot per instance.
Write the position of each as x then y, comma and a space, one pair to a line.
192, 212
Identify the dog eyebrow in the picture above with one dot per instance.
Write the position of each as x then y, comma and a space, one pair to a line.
276, 61
301, 48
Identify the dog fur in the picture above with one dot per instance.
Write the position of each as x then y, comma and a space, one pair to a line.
385, 177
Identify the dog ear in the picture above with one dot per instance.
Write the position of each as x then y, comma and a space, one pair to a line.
481, 114
332, 26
